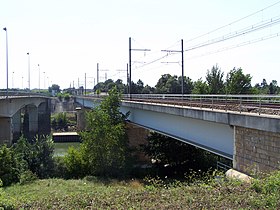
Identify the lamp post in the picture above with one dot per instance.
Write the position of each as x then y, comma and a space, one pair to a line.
44, 80
39, 77
13, 80
7, 66
29, 71
22, 82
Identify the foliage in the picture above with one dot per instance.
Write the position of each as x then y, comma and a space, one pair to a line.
173, 84
5, 201
74, 163
36, 155
154, 193
59, 121
200, 87
27, 177
214, 79
178, 156
9, 166
104, 147
264, 88
54, 89
237, 82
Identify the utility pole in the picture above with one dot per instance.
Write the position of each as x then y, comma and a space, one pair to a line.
130, 63
28, 54
85, 83
39, 77
182, 52
127, 77
7, 62
97, 73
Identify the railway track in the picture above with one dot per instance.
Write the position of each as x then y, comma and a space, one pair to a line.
261, 106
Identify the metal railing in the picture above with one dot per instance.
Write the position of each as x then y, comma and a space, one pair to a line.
242, 103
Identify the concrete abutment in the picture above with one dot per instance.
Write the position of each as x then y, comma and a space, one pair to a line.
256, 150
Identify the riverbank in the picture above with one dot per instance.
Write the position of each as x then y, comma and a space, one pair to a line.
93, 193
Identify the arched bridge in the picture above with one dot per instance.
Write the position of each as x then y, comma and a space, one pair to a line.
23, 115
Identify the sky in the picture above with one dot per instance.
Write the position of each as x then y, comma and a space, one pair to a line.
66, 39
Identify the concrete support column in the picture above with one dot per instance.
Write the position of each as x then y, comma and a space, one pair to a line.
16, 124
33, 120
81, 121
6, 134
44, 118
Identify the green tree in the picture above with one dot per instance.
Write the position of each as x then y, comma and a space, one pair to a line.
200, 87
214, 79
168, 84
36, 155
237, 82
188, 85
105, 145
54, 89
273, 87
9, 166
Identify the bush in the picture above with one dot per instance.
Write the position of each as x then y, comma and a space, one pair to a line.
9, 166
74, 163
36, 155
27, 177
59, 169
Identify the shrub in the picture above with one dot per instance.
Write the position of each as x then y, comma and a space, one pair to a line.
74, 163
9, 166
59, 169
27, 177
36, 155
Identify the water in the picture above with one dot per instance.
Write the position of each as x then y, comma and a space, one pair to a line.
60, 149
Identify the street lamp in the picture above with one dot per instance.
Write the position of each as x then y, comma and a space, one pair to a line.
44, 80
29, 71
13, 80
7, 66
39, 77
22, 82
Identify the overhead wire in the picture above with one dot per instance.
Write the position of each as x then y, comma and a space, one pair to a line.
236, 21
237, 45
259, 26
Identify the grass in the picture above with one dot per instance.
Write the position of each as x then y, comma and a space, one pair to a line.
92, 193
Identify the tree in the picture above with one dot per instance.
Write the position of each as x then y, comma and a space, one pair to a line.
9, 166
214, 79
168, 84
105, 145
188, 85
54, 89
36, 155
273, 87
237, 82
200, 87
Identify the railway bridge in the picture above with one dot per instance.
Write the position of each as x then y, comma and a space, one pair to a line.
245, 129
23, 114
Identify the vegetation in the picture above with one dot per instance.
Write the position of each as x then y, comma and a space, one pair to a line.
24, 158
59, 121
216, 82
213, 192
104, 148
176, 158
